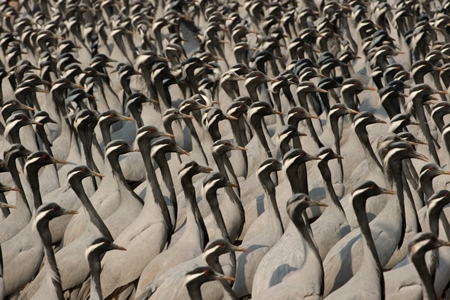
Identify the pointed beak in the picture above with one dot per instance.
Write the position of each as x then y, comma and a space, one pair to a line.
97, 174
315, 203
222, 277
117, 247
123, 118
167, 134
386, 191
69, 212
421, 157
182, 151
368, 88
321, 90
239, 148
277, 112
58, 161
239, 249
381, 121
230, 184
233, 118
36, 123
206, 170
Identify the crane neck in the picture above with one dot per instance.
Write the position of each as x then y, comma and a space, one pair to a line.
329, 189
211, 197
95, 218
193, 212
371, 257
52, 268
21, 201
96, 289
270, 201
421, 266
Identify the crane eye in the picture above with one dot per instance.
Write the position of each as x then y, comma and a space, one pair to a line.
259, 76
195, 165
170, 144
55, 208
111, 115
302, 154
44, 156
373, 186
446, 195
123, 144
226, 144
430, 168
83, 170
222, 244
106, 242
356, 83
425, 89
310, 85
23, 119
150, 130
407, 149
22, 149
206, 272
299, 111
175, 113
273, 162
241, 106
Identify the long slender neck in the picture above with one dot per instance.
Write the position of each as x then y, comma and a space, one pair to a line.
363, 137
211, 197
291, 173
192, 209
21, 201
257, 125
270, 201
106, 134
329, 189
52, 270
304, 228
152, 182
421, 266
35, 187
370, 251
194, 291
96, 289
95, 218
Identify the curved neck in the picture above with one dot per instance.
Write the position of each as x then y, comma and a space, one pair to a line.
152, 182
194, 291
33, 179
421, 266
270, 201
95, 218
52, 269
329, 189
96, 289
21, 201
106, 134
370, 252
211, 197
363, 137
193, 210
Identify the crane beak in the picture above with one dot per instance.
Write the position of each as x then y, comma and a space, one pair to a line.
206, 170
339, 156
97, 174
58, 161
223, 277
182, 151
381, 121
301, 134
277, 112
6, 205
69, 212
154, 101
36, 123
239, 249
316, 158
184, 116
368, 88
439, 92
421, 157
26, 107
232, 118
386, 191
315, 203
167, 134
230, 184
321, 90
353, 112
313, 116
239, 148
12, 189
117, 247
123, 118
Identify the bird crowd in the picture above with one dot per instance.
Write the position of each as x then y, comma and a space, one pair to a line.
223, 150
